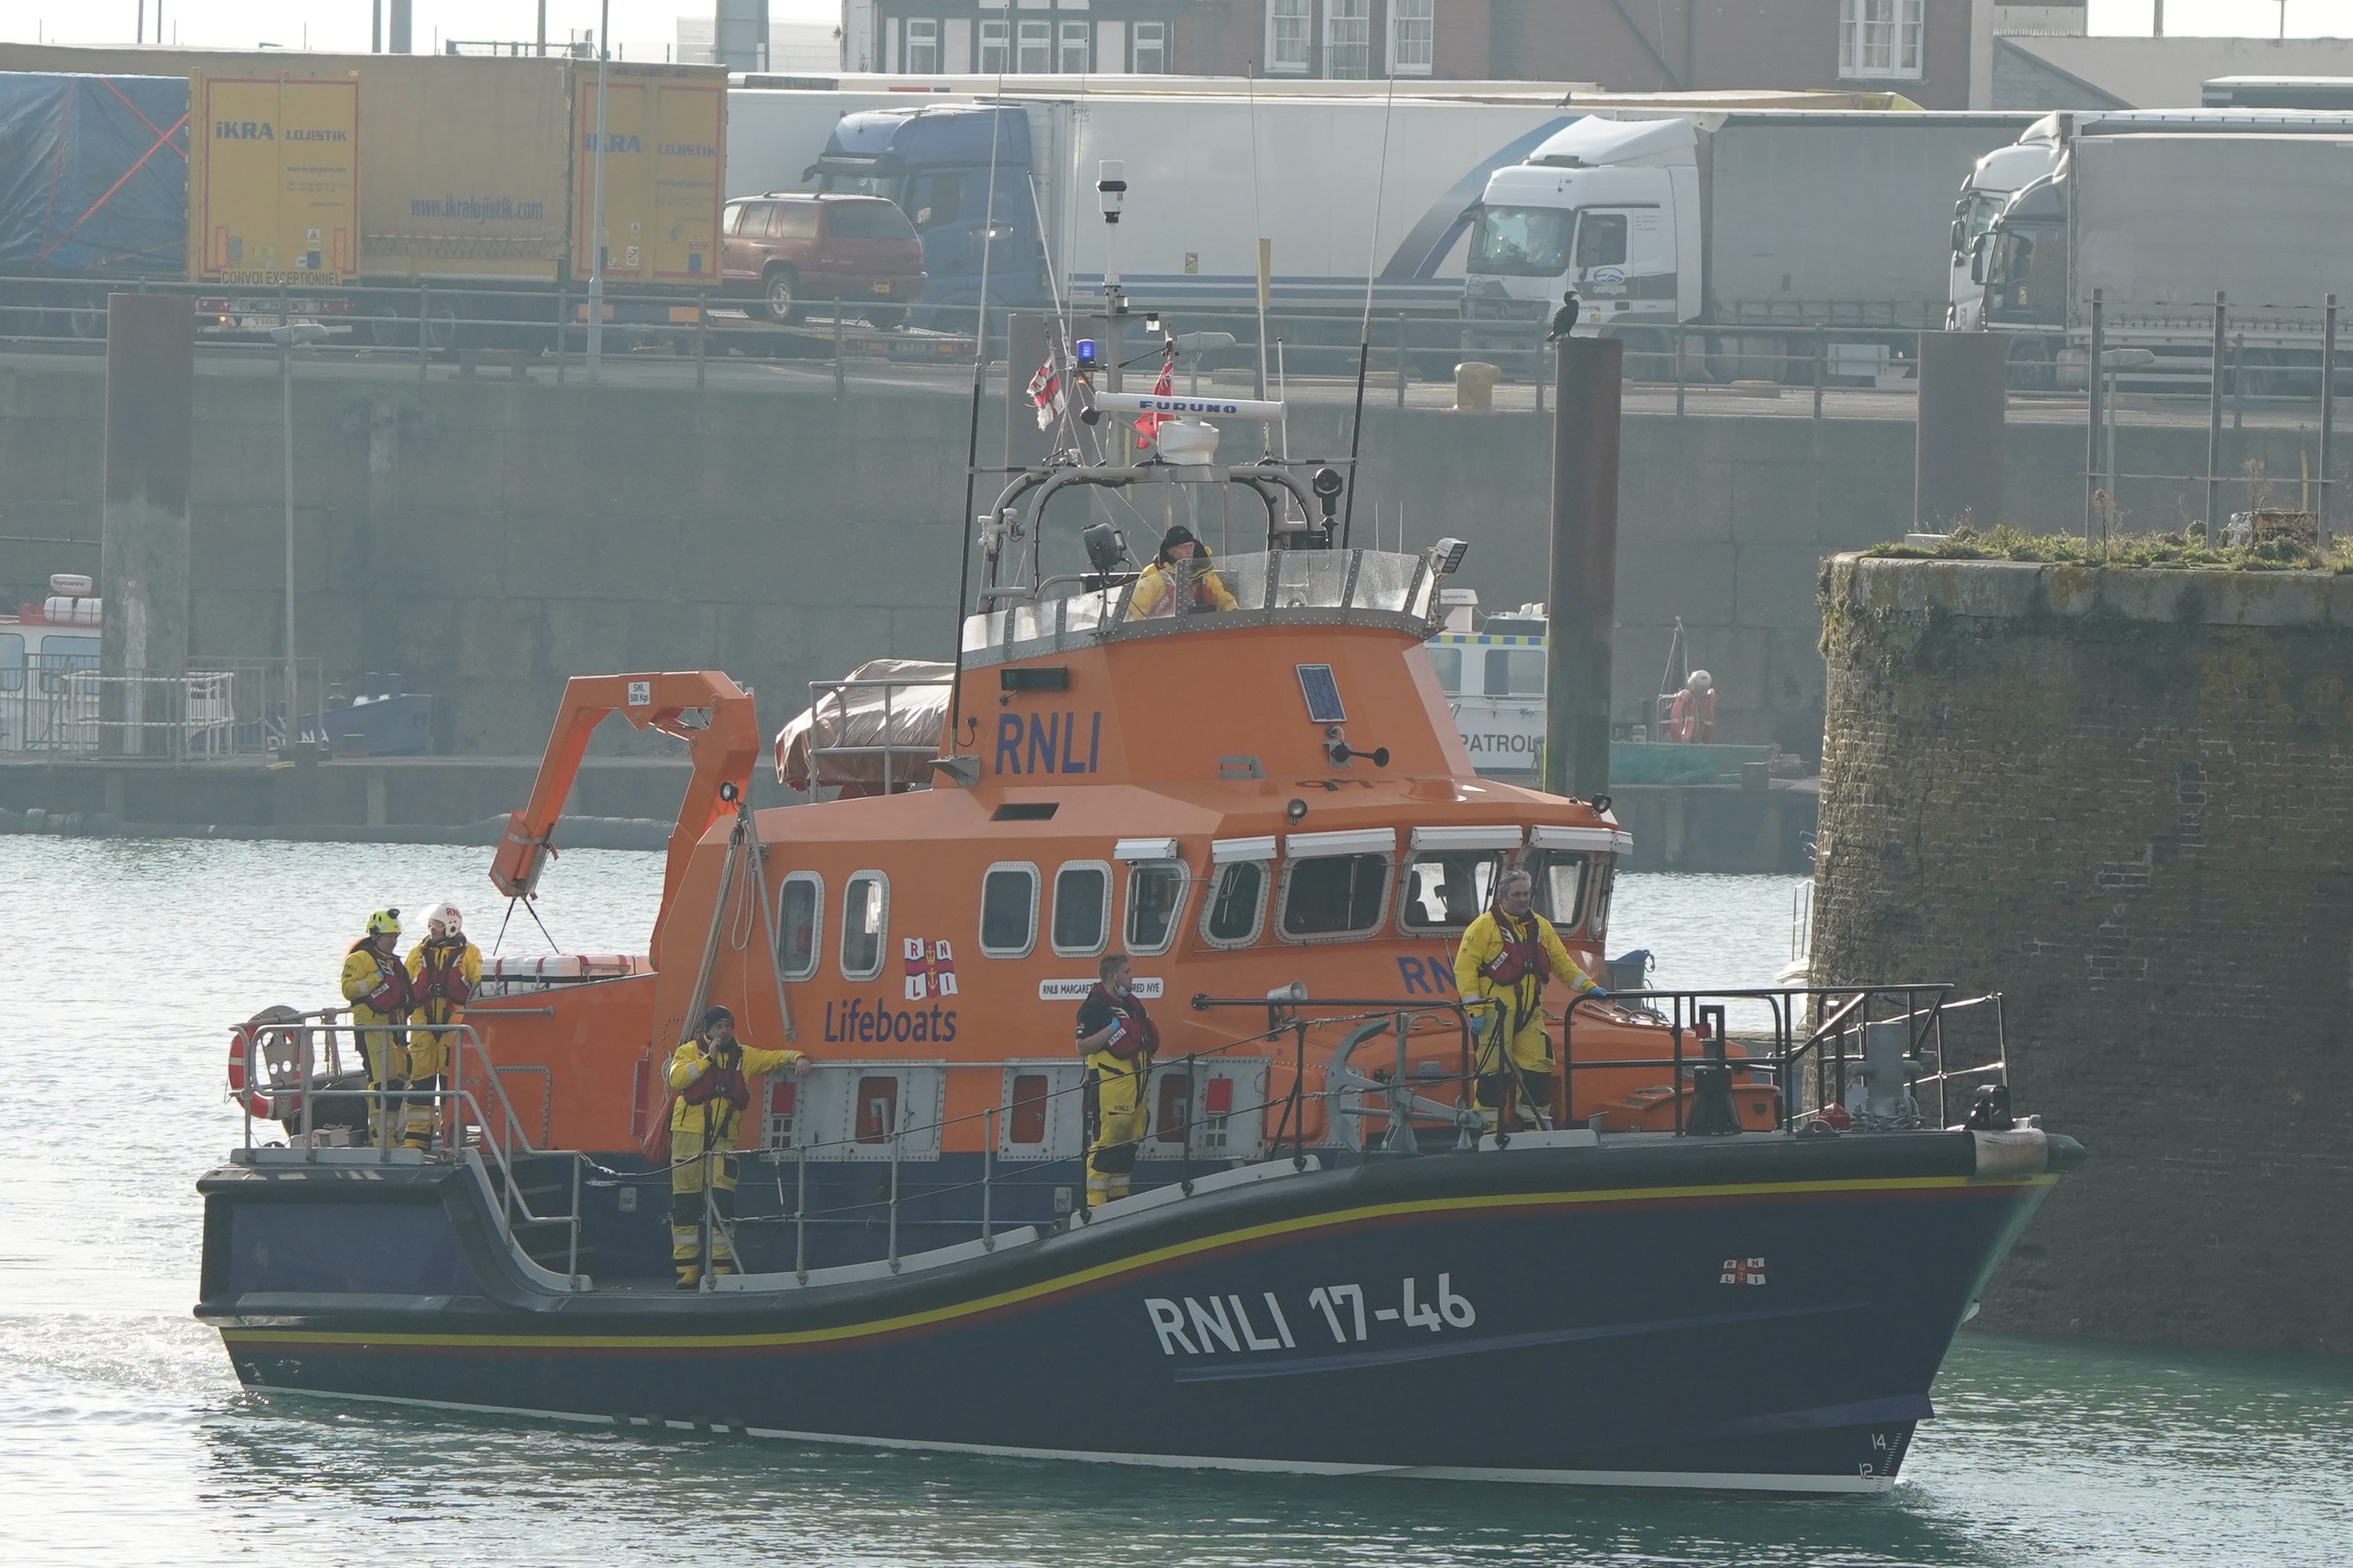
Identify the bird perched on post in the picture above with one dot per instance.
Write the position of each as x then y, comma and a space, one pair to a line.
1564, 321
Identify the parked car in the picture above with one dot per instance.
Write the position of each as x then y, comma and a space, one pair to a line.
786, 249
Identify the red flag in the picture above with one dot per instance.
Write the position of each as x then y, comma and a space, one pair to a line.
1148, 425
1046, 392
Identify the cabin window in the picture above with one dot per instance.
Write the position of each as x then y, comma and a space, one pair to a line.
1333, 895
12, 662
1600, 239
865, 914
1447, 663
1599, 883
800, 914
61, 656
1081, 908
1156, 893
1237, 902
878, 1108
1028, 1123
1447, 891
1009, 910
1560, 884
1515, 672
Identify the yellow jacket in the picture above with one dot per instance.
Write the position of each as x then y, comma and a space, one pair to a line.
1482, 945
690, 1065
1152, 591
432, 1004
365, 973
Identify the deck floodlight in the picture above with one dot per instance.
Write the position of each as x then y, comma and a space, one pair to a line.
1446, 556
1113, 188
1107, 547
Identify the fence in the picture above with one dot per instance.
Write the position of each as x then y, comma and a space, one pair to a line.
64, 705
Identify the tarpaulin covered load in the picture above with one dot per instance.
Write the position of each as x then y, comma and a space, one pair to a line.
888, 710
93, 175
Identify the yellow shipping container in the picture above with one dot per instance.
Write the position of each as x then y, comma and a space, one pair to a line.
481, 170
273, 192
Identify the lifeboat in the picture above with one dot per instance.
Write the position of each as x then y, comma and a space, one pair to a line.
1709, 1253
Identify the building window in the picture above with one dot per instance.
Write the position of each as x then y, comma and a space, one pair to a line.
1151, 49
1349, 39
1413, 37
996, 47
1009, 911
1081, 908
1037, 48
865, 912
1879, 38
1078, 48
922, 45
1286, 34
800, 910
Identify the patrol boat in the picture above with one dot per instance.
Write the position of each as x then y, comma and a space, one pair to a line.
1731, 1253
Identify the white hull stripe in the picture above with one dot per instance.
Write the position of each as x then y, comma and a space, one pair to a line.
1701, 1480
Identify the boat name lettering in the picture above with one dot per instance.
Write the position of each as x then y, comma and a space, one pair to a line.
1147, 986
1492, 741
877, 1021
1214, 1325
1425, 976
1048, 743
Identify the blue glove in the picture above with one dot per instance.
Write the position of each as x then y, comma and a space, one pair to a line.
1600, 991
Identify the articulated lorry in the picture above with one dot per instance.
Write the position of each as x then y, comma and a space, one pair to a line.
309, 175
93, 187
1725, 221
1208, 175
2006, 171
2157, 223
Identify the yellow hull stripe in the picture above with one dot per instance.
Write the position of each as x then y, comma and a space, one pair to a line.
1108, 1270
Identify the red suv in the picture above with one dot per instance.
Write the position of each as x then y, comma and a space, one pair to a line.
786, 249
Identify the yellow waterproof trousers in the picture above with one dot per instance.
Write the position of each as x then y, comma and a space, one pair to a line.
1523, 1066
697, 1168
403, 1059
1120, 1122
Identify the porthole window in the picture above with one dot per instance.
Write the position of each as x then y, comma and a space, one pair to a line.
865, 916
1236, 904
1155, 895
800, 915
1081, 908
1331, 896
1009, 910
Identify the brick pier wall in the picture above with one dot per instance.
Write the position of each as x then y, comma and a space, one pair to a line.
2125, 799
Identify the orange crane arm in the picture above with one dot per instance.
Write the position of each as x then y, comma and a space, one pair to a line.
711, 714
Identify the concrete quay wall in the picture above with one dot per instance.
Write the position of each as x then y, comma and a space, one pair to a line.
2125, 799
486, 539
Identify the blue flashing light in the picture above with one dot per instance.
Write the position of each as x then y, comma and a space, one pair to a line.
1085, 348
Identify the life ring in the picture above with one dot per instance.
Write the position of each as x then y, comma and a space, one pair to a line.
250, 1089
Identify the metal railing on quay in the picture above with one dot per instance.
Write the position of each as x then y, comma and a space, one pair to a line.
64, 705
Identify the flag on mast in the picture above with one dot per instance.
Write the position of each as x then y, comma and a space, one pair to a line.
1046, 392
1148, 425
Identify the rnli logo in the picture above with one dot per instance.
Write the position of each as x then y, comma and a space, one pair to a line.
931, 969
1049, 744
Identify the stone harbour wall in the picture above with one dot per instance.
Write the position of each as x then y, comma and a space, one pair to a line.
2124, 799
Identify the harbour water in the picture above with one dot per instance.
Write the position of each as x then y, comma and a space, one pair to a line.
129, 1441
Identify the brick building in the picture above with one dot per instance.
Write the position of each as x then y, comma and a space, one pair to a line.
1919, 47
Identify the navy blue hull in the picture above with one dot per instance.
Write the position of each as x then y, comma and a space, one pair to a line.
1757, 1311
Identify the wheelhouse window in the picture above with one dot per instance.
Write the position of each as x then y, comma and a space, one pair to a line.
1081, 908
1151, 44
800, 912
1333, 895
1156, 893
1880, 38
1522, 242
1514, 672
865, 915
1009, 910
1561, 877
1446, 890
1446, 664
1236, 905
1286, 34
922, 45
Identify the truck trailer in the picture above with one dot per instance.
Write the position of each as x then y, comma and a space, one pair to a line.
93, 187
1729, 220
2157, 224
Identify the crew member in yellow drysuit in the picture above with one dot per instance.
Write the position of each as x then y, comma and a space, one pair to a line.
1500, 971
713, 1075
1117, 1040
443, 972
377, 988
1155, 591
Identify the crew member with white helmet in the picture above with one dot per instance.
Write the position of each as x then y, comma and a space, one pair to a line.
443, 972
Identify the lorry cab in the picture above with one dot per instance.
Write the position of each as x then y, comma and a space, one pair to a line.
1998, 176
934, 163
1601, 207
2020, 262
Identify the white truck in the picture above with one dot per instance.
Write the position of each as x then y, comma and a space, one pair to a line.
2158, 224
1771, 218
2006, 171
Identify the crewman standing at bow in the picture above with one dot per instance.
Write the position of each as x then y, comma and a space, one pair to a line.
712, 1074
1118, 1039
377, 988
443, 972
1500, 971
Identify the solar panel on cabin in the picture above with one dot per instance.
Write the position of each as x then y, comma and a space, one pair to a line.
1322, 694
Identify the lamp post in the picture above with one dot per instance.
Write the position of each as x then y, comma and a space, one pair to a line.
288, 337
597, 202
